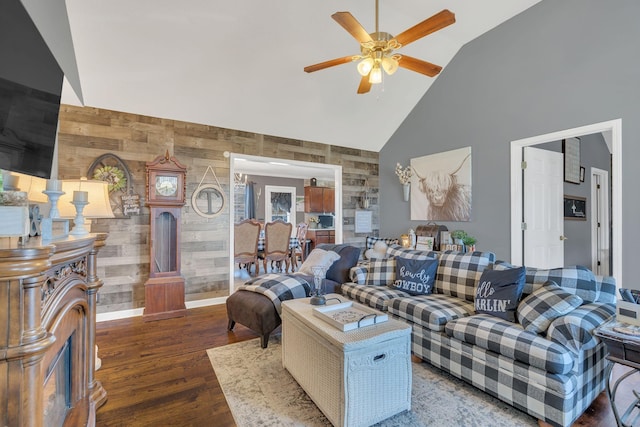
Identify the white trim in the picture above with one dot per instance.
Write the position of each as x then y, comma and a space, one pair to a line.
613, 126
604, 218
205, 302
135, 312
122, 314
337, 179
268, 211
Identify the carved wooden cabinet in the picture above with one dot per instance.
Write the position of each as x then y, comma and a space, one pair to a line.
47, 332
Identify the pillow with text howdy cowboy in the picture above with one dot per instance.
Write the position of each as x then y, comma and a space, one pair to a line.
498, 292
415, 277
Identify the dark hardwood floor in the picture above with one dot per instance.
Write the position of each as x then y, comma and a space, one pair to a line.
158, 373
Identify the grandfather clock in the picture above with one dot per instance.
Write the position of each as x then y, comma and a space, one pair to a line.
166, 187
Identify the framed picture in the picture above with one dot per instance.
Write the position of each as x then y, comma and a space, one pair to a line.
571, 150
575, 208
441, 186
424, 243
581, 173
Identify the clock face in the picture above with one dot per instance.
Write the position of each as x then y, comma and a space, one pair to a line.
166, 185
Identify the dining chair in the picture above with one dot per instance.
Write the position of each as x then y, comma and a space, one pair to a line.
277, 235
301, 249
245, 244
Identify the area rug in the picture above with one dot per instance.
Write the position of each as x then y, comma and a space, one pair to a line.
260, 392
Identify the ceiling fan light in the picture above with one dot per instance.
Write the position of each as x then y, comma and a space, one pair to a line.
375, 76
390, 65
365, 66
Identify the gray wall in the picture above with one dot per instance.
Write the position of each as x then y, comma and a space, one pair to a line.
560, 64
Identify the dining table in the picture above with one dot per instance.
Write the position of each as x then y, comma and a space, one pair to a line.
293, 243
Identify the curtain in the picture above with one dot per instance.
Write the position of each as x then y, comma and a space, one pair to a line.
249, 201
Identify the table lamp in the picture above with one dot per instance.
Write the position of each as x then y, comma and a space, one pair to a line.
84, 199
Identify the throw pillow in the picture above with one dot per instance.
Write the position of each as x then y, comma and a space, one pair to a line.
415, 277
577, 280
318, 258
339, 270
381, 272
371, 241
499, 291
544, 305
378, 251
399, 251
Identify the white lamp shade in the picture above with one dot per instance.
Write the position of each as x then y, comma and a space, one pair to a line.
98, 191
365, 66
375, 76
390, 65
33, 186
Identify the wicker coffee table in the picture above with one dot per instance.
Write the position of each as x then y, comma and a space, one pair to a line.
356, 378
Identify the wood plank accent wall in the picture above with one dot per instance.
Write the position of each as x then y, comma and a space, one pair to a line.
123, 264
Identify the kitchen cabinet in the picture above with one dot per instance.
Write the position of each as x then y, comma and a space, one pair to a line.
319, 199
319, 236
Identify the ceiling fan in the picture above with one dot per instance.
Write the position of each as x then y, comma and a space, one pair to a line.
377, 49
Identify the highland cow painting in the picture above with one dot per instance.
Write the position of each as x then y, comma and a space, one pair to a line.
441, 186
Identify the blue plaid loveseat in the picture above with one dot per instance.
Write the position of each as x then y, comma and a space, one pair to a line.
553, 375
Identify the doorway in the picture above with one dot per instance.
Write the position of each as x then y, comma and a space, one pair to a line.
612, 132
280, 204
600, 238
267, 166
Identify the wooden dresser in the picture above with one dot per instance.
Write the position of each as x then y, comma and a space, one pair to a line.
47, 332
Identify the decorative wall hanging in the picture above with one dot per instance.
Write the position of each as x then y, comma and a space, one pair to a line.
441, 186
114, 170
575, 208
571, 150
208, 200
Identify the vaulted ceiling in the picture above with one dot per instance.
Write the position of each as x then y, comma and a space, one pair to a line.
239, 64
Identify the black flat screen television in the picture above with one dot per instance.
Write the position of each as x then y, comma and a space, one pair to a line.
30, 88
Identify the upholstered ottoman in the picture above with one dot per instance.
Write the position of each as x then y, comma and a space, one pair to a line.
255, 311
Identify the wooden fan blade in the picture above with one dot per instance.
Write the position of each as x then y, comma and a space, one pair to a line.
419, 66
351, 24
327, 64
430, 25
364, 86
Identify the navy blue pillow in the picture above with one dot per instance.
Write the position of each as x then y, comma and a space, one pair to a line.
339, 270
499, 292
414, 276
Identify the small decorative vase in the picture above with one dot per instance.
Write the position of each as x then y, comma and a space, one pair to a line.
406, 189
313, 225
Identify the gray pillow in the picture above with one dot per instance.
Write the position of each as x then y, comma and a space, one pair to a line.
498, 292
339, 270
544, 305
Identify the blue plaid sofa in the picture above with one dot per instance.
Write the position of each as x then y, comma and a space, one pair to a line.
553, 375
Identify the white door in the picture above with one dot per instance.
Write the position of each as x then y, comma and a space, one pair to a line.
543, 214
600, 222
280, 203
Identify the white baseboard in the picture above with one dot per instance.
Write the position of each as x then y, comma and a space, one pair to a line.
124, 314
206, 302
